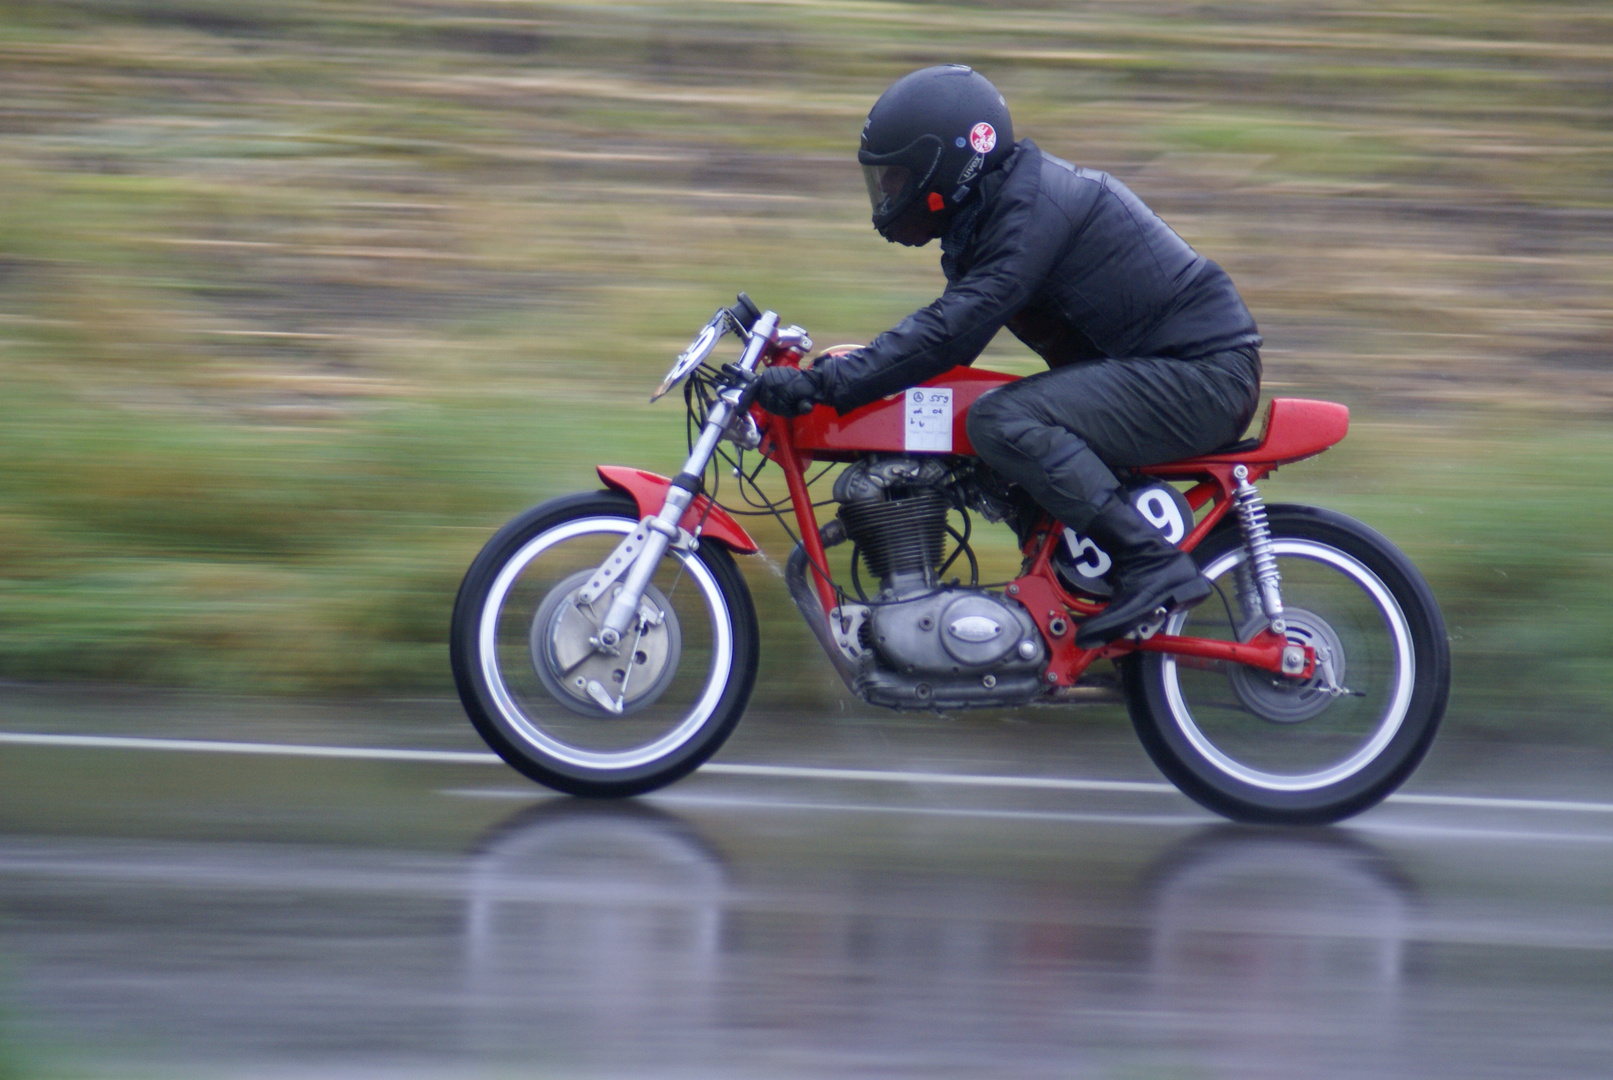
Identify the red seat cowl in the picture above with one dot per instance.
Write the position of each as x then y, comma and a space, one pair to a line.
1295, 428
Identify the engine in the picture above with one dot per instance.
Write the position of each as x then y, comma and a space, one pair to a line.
920, 642
895, 510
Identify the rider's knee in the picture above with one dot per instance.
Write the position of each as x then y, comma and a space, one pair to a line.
1004, 430
988, 424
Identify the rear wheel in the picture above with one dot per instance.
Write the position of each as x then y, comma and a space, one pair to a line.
582, 721
1257, 746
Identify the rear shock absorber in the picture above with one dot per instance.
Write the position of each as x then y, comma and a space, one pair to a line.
1257, 541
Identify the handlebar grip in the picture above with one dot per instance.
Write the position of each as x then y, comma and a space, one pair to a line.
745, 312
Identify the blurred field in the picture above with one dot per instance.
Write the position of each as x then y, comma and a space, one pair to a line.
299, 301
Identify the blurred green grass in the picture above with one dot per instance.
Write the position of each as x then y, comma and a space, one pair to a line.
299, 301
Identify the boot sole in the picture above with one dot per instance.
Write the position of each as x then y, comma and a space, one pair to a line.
1192, 594
1178, 598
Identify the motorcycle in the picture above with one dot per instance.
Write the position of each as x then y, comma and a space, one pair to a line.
605, 643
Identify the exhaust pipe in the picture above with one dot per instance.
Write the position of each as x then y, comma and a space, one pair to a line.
806, 600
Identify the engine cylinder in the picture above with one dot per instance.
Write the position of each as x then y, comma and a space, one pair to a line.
899, 538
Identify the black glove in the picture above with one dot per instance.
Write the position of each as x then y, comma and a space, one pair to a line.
787, 391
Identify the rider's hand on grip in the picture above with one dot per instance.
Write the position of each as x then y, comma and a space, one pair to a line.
788, 391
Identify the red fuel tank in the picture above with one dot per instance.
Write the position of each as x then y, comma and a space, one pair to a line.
928, 419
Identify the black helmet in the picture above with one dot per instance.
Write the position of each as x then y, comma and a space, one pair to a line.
932, 135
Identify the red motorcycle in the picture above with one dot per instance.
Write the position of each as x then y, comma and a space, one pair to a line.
605, 643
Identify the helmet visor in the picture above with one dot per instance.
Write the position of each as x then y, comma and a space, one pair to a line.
890, 189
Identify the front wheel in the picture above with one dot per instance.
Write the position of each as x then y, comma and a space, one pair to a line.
582, 721
1256, 746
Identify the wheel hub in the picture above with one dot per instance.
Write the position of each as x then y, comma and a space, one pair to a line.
1285, 700
595, 683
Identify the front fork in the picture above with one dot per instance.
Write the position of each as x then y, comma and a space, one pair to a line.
635, 559
652, 538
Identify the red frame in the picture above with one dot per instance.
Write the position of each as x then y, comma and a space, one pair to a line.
1295, 428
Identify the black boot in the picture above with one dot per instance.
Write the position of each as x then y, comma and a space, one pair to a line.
1151, 574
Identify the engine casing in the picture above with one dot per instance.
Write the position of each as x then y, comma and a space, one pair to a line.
955, 632
921, 644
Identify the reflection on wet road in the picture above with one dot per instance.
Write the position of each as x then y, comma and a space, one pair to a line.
167, 913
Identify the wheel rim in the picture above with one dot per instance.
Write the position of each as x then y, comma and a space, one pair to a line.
533, 715
1342, 602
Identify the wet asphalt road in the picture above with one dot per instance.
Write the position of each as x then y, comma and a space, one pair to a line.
171, 912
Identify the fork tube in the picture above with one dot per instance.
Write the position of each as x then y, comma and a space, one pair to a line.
678, 499
784, 453
663, 528
716, 425
664, 524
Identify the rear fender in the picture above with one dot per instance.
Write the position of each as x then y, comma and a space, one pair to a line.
649, 491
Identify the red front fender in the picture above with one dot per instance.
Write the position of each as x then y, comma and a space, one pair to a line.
649, 491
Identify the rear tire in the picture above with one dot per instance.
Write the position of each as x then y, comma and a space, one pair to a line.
1262, 748
527, 691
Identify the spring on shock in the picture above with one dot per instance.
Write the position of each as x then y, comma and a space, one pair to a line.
1257, 540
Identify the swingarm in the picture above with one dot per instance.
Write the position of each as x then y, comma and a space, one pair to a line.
1267, 650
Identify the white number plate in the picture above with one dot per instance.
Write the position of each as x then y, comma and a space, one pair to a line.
929, 419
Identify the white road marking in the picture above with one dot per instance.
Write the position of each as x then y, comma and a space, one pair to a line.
790, 772
209, 746
1465, 832
1488, 803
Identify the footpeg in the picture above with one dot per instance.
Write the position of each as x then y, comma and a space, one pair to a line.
1152, 626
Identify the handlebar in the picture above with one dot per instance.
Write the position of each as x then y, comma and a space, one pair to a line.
759, 328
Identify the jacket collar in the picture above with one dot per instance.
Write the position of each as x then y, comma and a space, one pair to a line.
961, 229
993, 181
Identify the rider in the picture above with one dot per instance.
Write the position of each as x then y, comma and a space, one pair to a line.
1153, 355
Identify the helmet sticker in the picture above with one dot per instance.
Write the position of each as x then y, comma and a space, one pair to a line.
983, 137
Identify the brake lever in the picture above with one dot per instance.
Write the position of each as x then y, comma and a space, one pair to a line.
739, 392
732, 376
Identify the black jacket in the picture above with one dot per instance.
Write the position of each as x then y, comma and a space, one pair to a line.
1074, 264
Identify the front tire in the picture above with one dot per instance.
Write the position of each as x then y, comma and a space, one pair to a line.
1259, 747
532, 688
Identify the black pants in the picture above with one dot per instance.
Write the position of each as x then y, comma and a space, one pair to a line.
1059, 434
